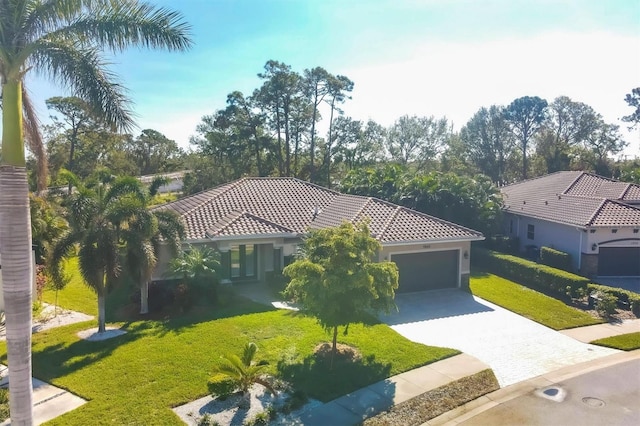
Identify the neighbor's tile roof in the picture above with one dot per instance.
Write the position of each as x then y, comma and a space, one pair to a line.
287, 206
575, 198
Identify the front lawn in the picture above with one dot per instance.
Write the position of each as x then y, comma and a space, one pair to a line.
624, 342
136, 378
76, 295
529, 303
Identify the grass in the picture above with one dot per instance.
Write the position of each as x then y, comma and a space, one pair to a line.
529, 303
437, 401
76, 296
136, 378
624, 342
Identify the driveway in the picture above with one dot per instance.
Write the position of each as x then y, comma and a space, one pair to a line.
516, 348
627, 283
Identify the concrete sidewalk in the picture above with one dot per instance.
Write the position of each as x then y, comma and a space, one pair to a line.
367, 402
600, 331
49, 401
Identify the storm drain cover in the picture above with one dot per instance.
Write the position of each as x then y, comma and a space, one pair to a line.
553, 393
593, 402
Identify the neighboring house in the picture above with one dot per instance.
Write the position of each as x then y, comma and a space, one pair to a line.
595, 219
258, 223
175, 181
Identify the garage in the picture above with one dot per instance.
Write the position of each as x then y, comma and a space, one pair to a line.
427, 270
619, 261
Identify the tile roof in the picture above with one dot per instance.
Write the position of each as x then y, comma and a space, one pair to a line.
575, 198
252, 207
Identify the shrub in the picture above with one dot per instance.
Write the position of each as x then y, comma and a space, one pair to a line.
631, 299
4, 404
221, 386
502, 243
41, 280
207, 420
556, 259
276, 281
606, 305
529, 273
160, 296
182, 297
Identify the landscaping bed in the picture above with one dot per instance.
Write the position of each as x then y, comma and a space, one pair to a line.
437, 401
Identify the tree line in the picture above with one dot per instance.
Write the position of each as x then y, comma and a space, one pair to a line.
274, 132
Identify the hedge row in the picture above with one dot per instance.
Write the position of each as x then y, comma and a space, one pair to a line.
530, 273
623, 296
555, 259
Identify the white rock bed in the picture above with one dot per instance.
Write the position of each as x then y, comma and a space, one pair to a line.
227, 412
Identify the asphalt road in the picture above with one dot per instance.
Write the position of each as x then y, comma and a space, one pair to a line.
609, 396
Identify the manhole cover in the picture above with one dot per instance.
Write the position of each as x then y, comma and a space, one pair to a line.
593, 402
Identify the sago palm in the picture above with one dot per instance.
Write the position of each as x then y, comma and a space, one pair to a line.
63, 40
243, 370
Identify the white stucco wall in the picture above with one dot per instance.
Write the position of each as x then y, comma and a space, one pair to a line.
623, 237
567, 238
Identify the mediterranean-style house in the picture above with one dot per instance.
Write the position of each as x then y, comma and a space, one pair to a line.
595, 219
258, 223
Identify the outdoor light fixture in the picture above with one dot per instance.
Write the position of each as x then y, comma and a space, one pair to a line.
635, 231
594, 246
465, 254
593, 231
614, 230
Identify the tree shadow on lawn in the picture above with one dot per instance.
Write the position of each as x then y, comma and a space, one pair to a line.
315, 377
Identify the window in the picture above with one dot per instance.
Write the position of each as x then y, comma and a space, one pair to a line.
243, 261
531, 231
511, 226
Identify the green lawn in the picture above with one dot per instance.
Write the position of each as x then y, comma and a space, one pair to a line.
624, 342
136, 378
76, 295
529, 303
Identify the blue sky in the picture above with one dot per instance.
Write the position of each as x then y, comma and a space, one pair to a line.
423, 57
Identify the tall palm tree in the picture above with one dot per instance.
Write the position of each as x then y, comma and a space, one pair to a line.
63, 40
101, 218
147, 232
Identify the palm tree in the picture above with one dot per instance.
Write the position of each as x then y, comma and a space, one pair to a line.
198, 266
100, 218
147, 232
62, 39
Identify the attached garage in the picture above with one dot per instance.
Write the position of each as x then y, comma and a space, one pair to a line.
427, 270
619, 261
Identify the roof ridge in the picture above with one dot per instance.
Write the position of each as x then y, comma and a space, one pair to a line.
236, 215
574, 183
437, 219
538, 177
628, 189
387, 223
230, 186
368, 201
597, 212
255, 216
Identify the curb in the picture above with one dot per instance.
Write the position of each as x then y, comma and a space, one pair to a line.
493, 399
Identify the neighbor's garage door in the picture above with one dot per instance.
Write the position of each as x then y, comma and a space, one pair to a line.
427, 271
619, 261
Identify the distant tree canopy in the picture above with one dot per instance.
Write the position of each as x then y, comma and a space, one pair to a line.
472, 202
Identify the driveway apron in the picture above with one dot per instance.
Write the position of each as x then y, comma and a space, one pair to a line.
515, 347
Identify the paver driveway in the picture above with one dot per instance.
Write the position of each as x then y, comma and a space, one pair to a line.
515, 347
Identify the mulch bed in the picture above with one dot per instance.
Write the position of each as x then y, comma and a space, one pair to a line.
437, 401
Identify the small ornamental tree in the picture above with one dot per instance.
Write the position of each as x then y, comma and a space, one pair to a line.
337, 280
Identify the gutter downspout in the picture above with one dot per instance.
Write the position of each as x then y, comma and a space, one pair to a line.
580, 250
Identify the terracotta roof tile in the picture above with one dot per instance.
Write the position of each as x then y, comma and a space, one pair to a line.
268, 206
575, 198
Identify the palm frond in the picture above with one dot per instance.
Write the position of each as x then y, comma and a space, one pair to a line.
131, 23
85, 73
62, 249
126, 185
33, 137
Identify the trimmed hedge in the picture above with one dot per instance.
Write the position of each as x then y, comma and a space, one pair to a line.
530, 274
623, 296
556, 259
